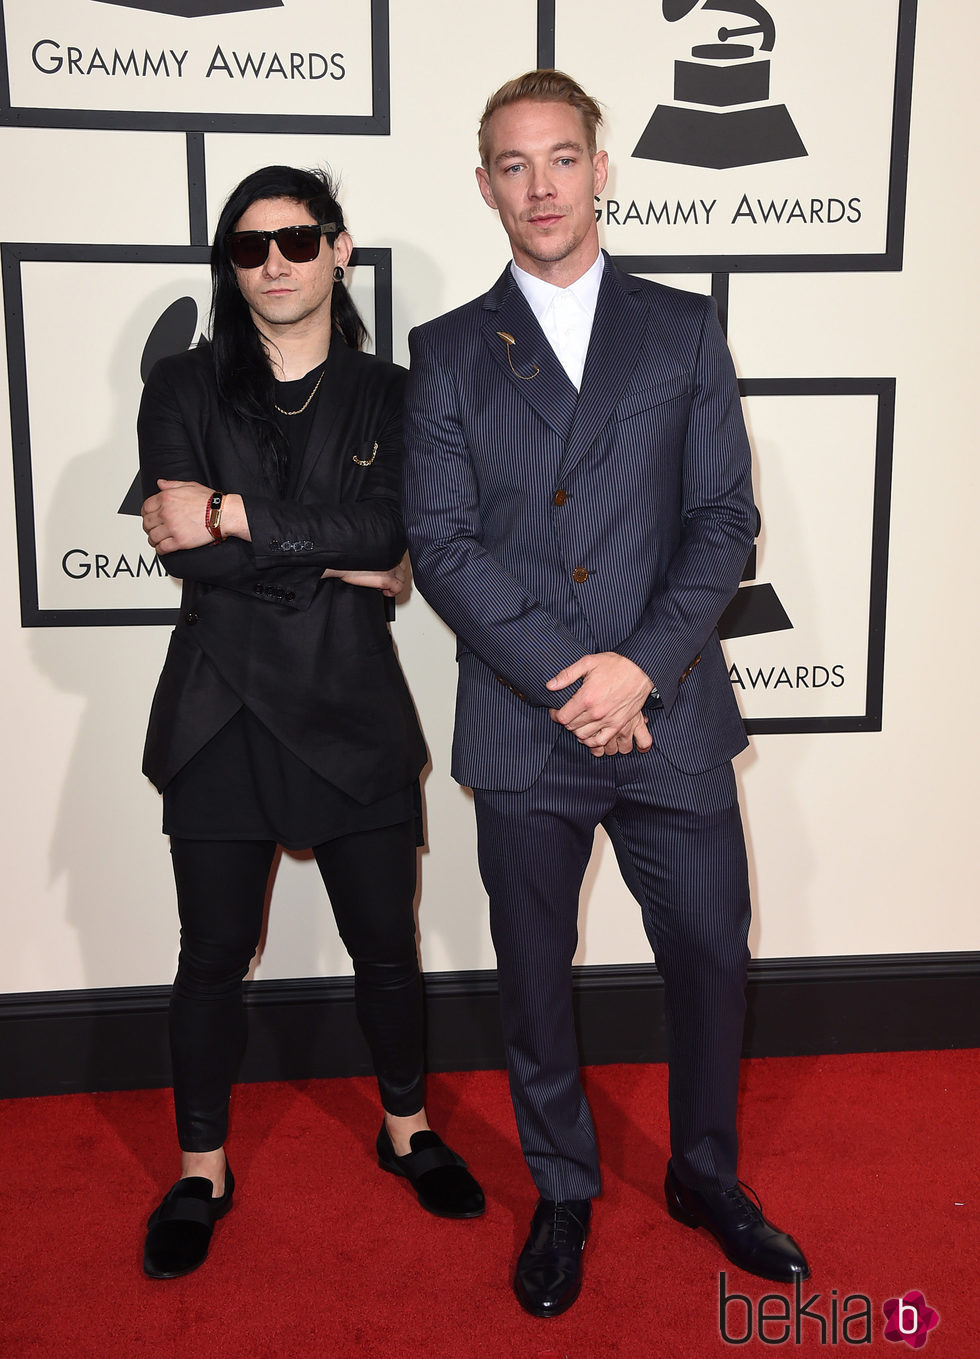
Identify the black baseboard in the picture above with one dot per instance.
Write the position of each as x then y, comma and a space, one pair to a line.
53, 1042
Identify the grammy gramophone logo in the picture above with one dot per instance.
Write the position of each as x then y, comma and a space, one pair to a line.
755, 608
722, 75
195, 9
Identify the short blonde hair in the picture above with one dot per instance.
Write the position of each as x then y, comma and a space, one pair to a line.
544, 85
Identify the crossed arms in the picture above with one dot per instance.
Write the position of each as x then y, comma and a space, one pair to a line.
355, 540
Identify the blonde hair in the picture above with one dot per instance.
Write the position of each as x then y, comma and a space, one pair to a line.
547, 85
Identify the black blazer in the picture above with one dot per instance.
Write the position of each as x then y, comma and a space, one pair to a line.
311, 658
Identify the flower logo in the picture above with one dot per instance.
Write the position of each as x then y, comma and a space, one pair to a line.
910, 1319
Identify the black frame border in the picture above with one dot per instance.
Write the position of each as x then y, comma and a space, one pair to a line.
883, 389
375, 124
12, 256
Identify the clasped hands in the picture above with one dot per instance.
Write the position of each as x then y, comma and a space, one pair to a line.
605, 712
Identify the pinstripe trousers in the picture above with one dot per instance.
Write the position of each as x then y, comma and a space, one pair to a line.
679, 843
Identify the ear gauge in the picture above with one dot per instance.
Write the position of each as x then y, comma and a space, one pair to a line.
509, 341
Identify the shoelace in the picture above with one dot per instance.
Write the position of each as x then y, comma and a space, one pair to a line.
561, 1225
748, 1212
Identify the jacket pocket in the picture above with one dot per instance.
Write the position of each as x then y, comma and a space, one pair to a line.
648, 398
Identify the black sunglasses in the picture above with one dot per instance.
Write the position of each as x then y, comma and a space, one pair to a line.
298, 244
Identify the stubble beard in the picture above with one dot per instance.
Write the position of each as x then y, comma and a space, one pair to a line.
545, 252
277, 321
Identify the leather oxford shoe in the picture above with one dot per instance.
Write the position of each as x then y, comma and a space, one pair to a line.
737, 1224
549, 1270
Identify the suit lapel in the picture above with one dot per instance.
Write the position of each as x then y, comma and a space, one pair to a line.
620, 323
548, 390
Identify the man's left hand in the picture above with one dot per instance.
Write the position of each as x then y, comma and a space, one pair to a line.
610, 697
174, 518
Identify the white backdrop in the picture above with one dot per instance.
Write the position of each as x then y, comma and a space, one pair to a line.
860, 841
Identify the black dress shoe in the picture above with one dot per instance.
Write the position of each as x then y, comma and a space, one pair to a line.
738, 1226
179, 1231
548, 1277
439, 1177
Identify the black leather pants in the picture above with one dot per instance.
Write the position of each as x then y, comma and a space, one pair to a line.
221, 885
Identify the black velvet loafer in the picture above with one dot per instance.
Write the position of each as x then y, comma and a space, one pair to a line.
439, 1177
737, 1224
179, 1230
548, 1277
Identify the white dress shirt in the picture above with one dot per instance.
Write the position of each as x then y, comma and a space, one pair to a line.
564, 314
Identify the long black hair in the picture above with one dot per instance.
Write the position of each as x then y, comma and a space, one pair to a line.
244, 377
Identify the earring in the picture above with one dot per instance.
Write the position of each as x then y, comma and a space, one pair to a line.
338, 273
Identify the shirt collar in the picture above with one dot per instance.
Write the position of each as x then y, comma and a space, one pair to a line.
540, 294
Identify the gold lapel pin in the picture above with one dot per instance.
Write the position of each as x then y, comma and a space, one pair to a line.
366, 462
509, 341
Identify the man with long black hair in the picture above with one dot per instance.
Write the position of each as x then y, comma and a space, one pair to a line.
270, 460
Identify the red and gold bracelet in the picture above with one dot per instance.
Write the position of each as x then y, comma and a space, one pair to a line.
212, 516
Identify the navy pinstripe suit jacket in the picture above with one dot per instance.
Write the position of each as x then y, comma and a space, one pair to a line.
545, 523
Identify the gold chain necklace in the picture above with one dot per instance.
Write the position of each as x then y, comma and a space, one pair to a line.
308, 399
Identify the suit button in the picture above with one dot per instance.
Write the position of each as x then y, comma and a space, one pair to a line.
560, 497
580, 575
190, 617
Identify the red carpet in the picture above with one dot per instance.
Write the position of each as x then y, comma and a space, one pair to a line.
869, 1160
